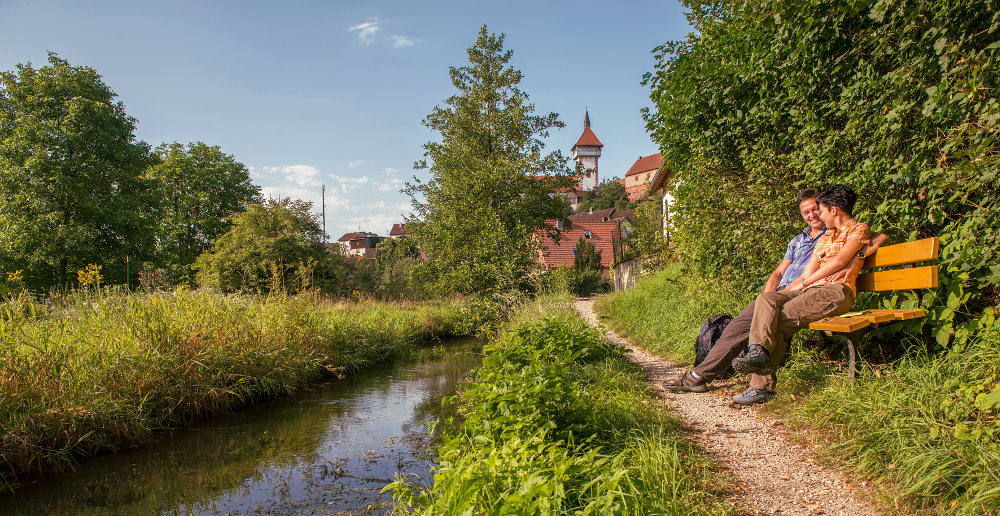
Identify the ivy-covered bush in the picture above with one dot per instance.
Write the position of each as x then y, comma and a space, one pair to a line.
895, 98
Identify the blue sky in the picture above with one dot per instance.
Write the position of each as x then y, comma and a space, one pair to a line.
306, 93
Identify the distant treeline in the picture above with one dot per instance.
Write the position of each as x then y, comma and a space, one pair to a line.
895, 99
84, 203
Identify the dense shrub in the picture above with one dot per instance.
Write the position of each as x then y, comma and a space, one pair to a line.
557, 421
896, 99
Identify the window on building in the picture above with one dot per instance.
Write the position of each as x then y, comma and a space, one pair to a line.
587, 234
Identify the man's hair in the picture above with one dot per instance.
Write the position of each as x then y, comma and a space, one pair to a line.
806, 194
839, 196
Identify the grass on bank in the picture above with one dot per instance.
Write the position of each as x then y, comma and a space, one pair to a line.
98, 371
557, 421
925, 429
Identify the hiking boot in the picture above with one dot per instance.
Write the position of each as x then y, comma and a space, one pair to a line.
757, 361
752, 396
687, 382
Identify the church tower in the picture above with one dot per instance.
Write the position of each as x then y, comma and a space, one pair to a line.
586, 152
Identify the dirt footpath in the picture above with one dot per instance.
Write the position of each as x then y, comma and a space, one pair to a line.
775, 475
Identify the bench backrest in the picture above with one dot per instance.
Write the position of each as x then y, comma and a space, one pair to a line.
899, 279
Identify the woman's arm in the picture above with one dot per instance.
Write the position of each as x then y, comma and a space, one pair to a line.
846, 254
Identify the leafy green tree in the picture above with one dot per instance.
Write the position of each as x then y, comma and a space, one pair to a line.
897, 99
586, 257
72, 190
396, 264
609, 194
200, 188
477, 213
271, 247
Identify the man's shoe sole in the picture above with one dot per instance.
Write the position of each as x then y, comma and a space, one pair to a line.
753, 367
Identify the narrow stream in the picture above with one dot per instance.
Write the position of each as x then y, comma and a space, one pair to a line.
327, 451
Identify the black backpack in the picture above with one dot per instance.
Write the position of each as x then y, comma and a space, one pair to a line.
709, 335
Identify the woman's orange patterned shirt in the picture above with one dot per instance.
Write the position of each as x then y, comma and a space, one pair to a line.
830, 244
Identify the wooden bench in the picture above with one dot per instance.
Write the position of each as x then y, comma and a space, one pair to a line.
854, 328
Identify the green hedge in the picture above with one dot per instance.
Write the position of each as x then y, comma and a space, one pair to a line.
897, 99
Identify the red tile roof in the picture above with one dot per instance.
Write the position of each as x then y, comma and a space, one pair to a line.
645, 163
606, 215
397, 230
561, 253
350, 236
588, 138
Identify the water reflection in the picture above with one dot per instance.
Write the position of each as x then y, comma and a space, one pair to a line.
326, 451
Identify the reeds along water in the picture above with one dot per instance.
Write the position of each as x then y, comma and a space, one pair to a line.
99, 370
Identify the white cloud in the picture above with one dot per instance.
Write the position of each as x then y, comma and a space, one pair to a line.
356, 164
378, 223
303, 175
366, 31
402, 41
312, 195
391, 184
352, 181
389, 171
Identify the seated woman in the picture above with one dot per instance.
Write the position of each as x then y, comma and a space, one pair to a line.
823, 290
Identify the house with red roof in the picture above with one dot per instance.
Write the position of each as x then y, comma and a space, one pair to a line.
397, 231
641, 174
605, 235
360, 243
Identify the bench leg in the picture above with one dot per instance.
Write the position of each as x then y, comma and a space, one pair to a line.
852, 366
853, 341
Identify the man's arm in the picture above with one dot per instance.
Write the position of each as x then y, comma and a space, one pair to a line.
814, 272
779, 271
871, 244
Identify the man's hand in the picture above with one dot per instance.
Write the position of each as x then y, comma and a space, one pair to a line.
869, 247
873, 244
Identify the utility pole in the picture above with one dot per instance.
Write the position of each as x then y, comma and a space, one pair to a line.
324, 214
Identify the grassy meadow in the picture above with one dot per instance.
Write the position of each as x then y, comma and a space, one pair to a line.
96, 371
558, 421
923, 429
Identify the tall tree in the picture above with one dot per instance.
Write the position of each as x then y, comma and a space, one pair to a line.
200, 188
271, 246
609, 194
490, 183
71, 175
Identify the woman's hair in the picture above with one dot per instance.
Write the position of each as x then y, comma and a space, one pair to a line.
839, 196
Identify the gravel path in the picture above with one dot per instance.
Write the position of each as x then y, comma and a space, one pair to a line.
775, 476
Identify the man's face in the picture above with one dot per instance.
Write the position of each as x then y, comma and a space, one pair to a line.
809, 209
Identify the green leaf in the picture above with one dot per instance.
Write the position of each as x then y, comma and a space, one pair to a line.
986, 402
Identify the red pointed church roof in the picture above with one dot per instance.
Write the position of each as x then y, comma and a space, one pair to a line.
588, 138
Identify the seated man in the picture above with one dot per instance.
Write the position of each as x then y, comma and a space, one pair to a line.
824, 289
735, 337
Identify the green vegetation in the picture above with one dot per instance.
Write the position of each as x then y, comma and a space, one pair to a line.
477, 213
72, 185
558, 421
926, 428
200, 189
96, 371
271, 247
609, 194
899, 100
664, 311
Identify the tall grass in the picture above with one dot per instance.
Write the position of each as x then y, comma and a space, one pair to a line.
664, 311
97, 371
925, 429
557, 421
